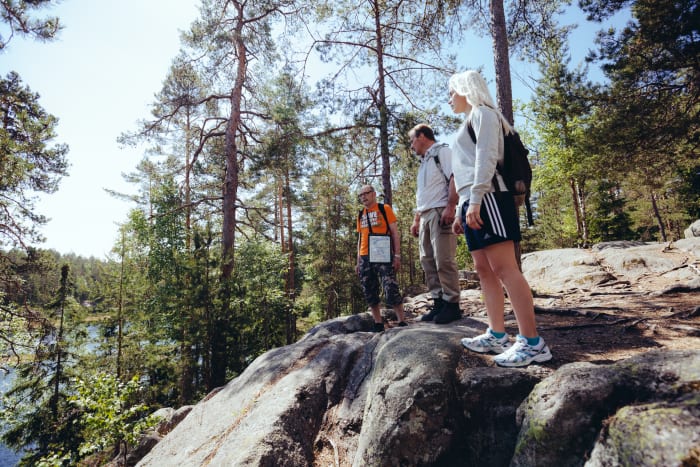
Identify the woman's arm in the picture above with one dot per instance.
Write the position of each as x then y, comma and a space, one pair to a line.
487, 127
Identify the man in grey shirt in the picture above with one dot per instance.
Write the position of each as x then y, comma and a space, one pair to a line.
435, 212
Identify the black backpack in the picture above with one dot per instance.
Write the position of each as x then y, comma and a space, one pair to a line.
515, 170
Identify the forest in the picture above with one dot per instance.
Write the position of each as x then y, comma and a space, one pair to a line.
241, 236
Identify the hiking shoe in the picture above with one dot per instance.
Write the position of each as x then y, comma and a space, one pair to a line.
486, 343
522, 354
449, 312
402, 324
438, 303
378, 327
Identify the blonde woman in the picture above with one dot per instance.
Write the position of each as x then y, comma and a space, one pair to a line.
489, 221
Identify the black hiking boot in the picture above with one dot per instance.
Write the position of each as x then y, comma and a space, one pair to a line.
438, 303
450, 312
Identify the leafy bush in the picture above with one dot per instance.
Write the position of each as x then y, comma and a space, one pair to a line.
111, 413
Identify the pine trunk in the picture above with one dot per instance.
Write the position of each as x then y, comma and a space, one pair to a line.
657, 215
504, 94
582, 207
220, 354
501, 59
577, 208
290, 286
381, 106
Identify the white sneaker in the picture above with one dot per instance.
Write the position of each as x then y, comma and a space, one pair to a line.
487, 342
522, 354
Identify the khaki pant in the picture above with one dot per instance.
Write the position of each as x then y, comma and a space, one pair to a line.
438, 246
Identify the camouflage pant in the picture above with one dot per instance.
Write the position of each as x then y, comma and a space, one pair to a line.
370, 274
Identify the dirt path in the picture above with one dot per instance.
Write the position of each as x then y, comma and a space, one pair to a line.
610, 323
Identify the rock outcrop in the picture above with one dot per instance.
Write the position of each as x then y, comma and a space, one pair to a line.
403, 397
569, 269
693, 230
641, 411
628, 393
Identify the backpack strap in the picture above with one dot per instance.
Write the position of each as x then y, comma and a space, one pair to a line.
369, 224
470, 129
436, 157
386, 219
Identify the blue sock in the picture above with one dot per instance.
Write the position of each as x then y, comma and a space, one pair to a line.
495, 334
532, 340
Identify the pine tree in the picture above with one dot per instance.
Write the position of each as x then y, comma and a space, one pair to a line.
565, 160
392, 52
651, 107
36, 409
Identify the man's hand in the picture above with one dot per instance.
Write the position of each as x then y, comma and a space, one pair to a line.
415, 228
448, 215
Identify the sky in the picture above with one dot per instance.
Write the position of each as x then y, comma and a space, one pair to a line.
99, 78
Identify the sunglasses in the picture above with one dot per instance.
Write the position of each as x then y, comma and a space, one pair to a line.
363, 193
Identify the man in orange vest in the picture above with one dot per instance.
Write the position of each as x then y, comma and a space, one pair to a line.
378, 256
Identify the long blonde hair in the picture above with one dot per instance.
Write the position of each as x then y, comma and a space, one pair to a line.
473, 87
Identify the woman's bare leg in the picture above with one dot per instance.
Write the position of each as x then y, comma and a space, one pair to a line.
501, 258
491, 289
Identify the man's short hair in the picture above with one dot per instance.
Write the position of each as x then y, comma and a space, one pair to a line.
422, 129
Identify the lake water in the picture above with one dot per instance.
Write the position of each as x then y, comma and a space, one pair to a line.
8, 458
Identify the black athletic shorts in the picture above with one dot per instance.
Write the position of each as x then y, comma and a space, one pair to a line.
500, 218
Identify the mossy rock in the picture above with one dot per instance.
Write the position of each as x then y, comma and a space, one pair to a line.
663, 433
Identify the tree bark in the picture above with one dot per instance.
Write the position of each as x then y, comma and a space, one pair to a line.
188, 321
220, 352
290, 285
63, 293
582, 207
577, 208
120, 307
657, 215
504, 94
381, 105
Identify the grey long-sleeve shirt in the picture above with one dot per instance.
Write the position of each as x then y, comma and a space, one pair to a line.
473, 165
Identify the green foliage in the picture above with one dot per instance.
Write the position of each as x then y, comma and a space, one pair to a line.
110, 412
35, 410
54, 459
610, 219
612, 161
261, 305
31, 275
564, 162
29, 162
651, 109
328, 242
555, 225
18, 17
689, 190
